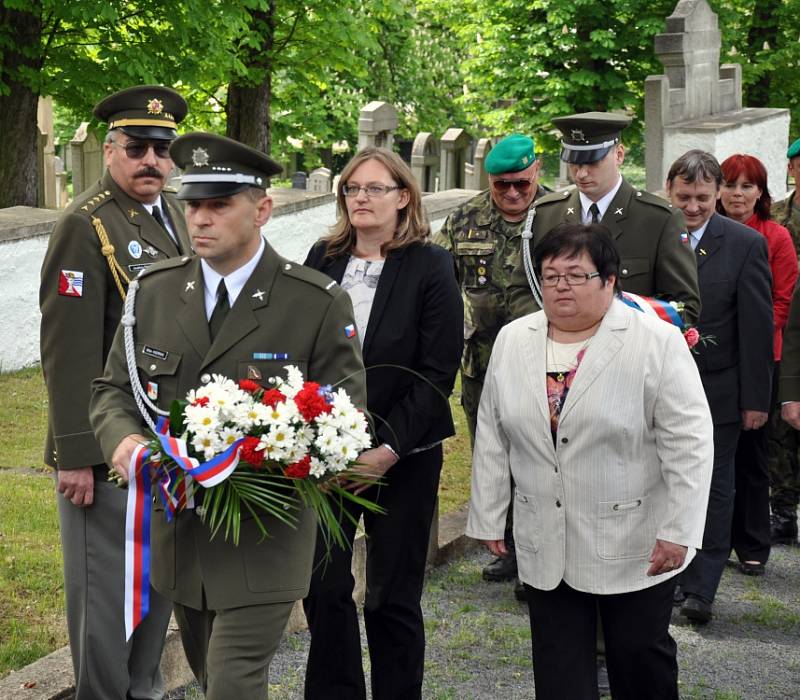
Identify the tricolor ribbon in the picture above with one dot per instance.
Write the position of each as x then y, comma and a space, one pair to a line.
175, 498
654, 307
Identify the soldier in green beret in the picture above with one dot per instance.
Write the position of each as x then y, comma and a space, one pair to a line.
784, 470
115, 229
483, 236
239, 310
651, 238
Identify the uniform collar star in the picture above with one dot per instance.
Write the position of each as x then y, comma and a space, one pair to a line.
189, 286
618, 211
258, 295
571, 210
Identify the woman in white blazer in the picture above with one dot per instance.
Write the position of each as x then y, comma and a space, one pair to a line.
597, 413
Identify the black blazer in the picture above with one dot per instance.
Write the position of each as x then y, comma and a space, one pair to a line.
735, 293
416, 322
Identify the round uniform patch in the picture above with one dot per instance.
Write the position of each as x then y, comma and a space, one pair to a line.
135, 249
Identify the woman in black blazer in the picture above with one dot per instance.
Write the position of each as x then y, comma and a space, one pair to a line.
409, 318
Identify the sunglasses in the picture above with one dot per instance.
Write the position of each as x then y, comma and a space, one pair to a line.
136, 150
521, 186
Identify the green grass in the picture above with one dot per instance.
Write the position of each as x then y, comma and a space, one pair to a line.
31, 596
23, 415
769, 611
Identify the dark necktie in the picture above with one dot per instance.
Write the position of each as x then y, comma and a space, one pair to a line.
159, 217
595, 212
220, 310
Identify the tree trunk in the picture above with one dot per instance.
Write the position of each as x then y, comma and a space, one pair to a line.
18, 105
763, 30
248, 105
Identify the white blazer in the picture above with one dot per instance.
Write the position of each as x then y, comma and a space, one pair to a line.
632, 460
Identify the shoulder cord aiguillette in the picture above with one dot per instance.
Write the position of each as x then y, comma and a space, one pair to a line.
107, 249
527, 236
139, 394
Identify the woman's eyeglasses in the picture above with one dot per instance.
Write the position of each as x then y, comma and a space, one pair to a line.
370, 190
573, 279
522, 186
136, 150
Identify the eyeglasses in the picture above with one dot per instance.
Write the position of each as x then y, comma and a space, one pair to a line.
136, 150
521, 186
370, 190
573, 279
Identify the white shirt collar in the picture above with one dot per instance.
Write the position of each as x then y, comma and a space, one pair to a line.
234, 282
163, 207
602, 203
695, 236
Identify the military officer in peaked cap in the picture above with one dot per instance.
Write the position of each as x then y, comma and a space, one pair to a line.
110, 232
483, 235
655, 256
227, 311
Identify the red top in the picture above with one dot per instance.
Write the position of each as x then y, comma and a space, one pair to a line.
783, 265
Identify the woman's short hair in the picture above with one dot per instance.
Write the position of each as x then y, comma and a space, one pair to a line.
570, 240
754, 171
412, 224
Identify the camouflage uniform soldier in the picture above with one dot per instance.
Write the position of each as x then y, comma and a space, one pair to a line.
484, 237
784, 473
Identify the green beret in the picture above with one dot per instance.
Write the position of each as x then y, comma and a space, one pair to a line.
512, 154
794, 150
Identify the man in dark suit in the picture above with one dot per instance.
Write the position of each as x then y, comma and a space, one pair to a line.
655, 257
119, 226
736, 366
229, 311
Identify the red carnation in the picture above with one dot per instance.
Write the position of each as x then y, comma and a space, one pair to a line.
249, 452
692, 337
201, 401
272, 398
310, 402
299, 470
249, 386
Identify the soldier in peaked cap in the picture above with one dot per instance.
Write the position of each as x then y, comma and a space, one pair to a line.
655, 256
484, 236
228, 311
110, 232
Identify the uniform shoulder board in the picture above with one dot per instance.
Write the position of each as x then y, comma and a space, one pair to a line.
97, 200
653, 199
168, 264
308, 274
552, 197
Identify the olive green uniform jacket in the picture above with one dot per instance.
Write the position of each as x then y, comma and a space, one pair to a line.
76, 331
656, 258
284, 308
787, 213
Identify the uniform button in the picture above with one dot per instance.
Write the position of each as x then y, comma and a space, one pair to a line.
624, 271
205, 378
153, 368
287, 266
558, 504
564, 441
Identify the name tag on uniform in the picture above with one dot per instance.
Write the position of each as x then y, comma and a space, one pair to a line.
155, 352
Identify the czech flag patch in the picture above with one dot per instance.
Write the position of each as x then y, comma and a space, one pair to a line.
684, 237
350, 330
70, 283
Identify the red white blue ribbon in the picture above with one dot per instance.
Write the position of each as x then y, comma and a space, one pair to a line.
175, 497
137, 541
654, 307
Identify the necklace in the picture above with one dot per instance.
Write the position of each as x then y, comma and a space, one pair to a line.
561, 366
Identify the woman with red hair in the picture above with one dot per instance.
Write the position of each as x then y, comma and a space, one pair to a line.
745, 198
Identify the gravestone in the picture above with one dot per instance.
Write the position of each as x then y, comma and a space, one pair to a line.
377, 123
299, 180
46, 153
697, 103
425, 160
455, 144
320, 181
61, 183
479, 179
86, 154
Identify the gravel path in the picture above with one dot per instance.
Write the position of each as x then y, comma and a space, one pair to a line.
479, 639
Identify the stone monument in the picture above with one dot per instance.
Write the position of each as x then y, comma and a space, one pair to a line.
476, 176
698, 104
86, 155
299, 180
319, 181
455, 144
425, 161
376, 125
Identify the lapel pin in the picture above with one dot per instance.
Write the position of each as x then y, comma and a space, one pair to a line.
189, 287
618, 211
703, 251
258, 295
571, 210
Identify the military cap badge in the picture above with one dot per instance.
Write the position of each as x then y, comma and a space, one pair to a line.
200, 157
155, 106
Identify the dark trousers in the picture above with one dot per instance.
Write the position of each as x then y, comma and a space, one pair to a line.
640, 653
750, 531
397, 546
701, 577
